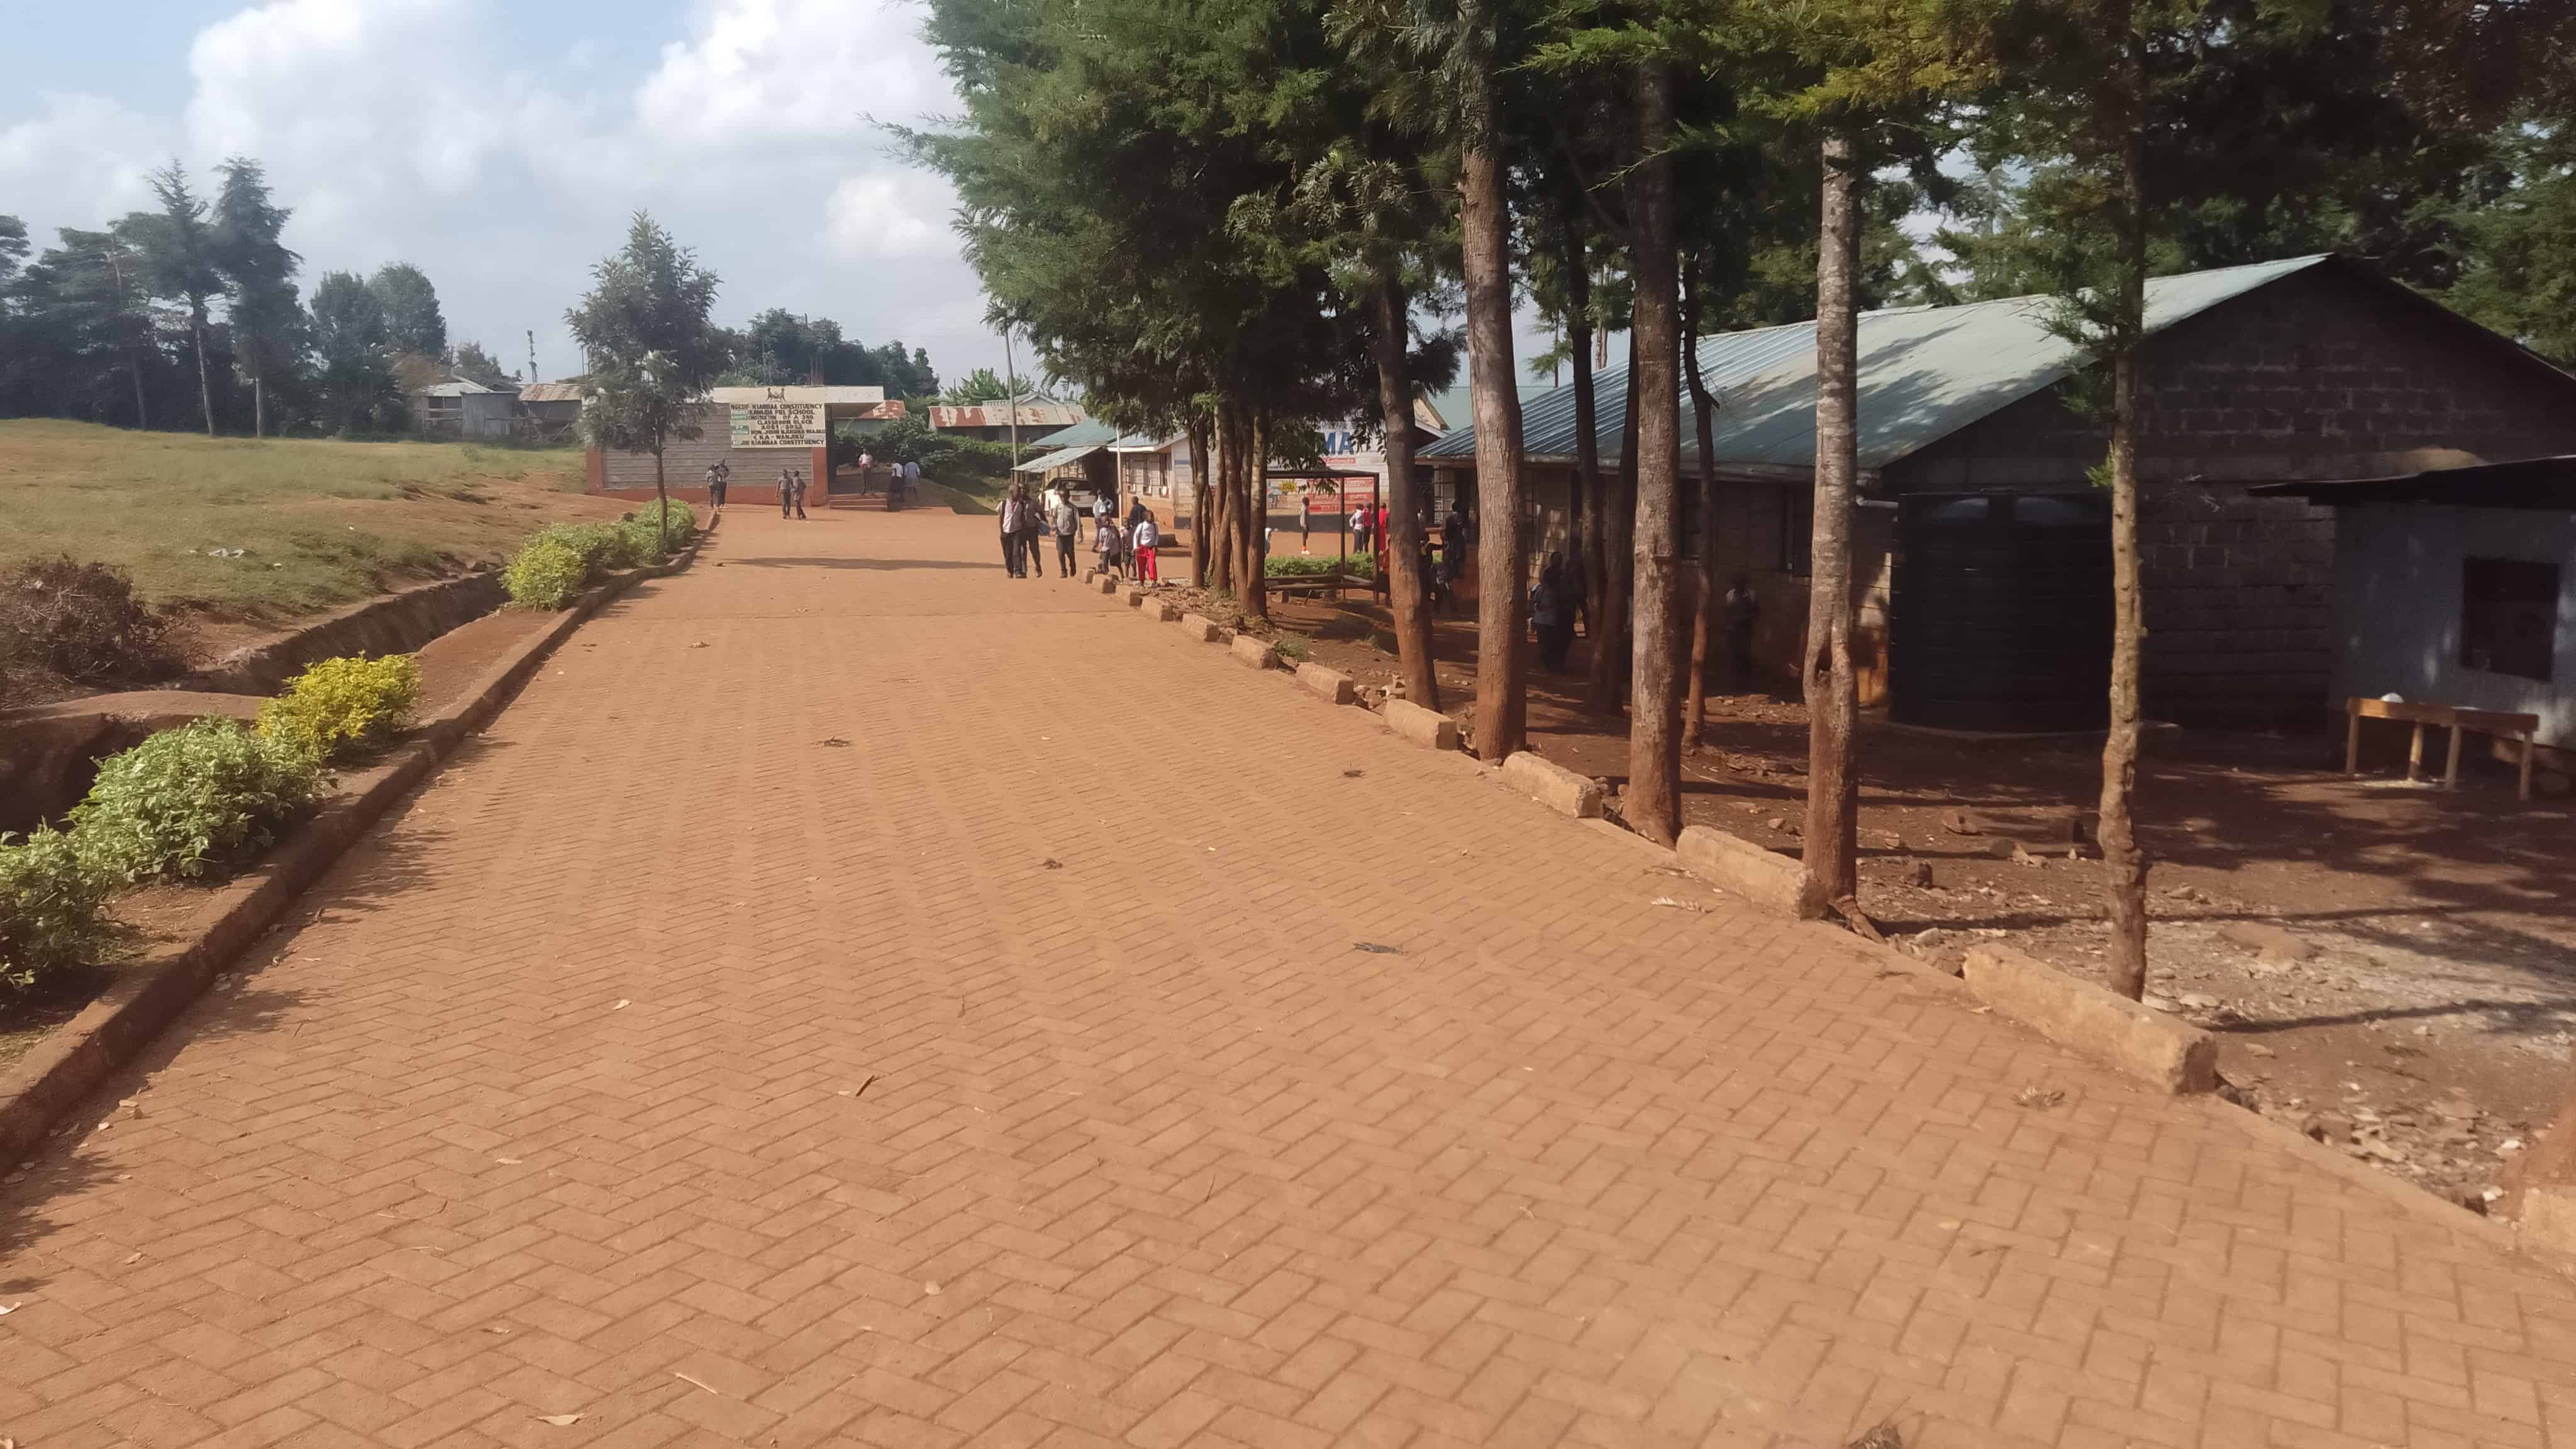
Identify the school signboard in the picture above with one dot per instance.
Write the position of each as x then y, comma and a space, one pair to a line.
779, 425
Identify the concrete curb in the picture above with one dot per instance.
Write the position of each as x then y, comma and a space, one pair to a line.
2170, 1055
1553, 785
1428, 728
1736, 865
1331, 684
1256, 653
60, 1071
1161, 611
1202, 628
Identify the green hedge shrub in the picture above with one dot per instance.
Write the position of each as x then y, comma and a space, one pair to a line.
205, 795
1308, 565
340, 706
645, 534
52, 910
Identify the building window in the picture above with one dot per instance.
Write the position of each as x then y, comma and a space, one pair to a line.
1797, 529
2509, 616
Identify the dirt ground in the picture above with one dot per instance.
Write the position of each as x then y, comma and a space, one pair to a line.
2411, 1002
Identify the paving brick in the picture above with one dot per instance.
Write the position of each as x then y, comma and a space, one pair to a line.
1186, 1165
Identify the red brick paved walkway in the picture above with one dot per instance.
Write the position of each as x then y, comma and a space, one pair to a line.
1010, 1077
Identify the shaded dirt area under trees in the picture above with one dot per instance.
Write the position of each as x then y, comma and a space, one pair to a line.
2405, 989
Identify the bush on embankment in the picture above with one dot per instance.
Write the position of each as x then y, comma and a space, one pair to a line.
558, 562
340, 707
52, 910
205, 796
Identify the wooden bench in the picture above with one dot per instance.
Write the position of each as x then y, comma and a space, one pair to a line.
2485, 721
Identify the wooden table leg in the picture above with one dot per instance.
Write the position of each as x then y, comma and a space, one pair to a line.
2451, 765
2415, 756
2351, 740
2524, 793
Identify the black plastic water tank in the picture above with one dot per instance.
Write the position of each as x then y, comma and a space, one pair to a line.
2001, 612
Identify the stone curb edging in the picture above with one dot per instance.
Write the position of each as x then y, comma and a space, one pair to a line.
1554, 786
1736, 865
2173, 1056
60, 1071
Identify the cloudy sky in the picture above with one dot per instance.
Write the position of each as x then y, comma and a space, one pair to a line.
501, 144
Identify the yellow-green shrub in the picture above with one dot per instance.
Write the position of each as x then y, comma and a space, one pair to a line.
643, 528
548, 570
340, 705
51, 909
207, 794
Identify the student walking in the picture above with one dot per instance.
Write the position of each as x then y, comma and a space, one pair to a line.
1105, 538
1014, 503
1146, 538
786, 493
1552, 613
1066, 525
799, 476
716, 475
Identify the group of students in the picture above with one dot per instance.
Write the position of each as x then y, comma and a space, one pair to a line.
1121, 546
791, 489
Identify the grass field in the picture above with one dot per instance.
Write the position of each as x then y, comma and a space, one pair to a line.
320, 522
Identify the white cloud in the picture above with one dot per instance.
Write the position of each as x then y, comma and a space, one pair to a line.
87, 154
766, 71
416, 130
890, 214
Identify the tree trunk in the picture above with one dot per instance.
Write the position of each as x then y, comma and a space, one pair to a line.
1502, 559
1256, 518
205, 390
661, 502
1829, 866
1704, 424
1653, 801
134, 364
1221, 502
258, 406
1403, 549
1198, 432
1618, 514
2124, 866
1587, 500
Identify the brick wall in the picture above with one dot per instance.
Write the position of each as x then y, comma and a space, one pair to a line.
685, 462
2320, 375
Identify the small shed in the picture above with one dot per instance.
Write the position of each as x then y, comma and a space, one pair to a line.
552, 409
461, 409
2457, 586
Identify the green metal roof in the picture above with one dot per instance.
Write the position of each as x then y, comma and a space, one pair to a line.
1089, 433
1058, 459
1925, 372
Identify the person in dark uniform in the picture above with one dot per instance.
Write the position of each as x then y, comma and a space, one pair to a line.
799, 476
1740, 612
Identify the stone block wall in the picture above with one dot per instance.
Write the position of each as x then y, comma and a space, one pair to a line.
2323, 374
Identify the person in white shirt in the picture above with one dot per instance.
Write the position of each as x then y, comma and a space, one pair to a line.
1145, 539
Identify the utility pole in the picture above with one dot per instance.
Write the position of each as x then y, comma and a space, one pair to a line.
532, 356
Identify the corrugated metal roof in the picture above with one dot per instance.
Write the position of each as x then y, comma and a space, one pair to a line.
1061, 457
998, 415
1090, 432
1925, 372
1142, 442
550, 392
455, 387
